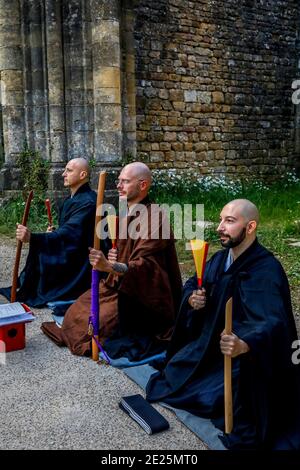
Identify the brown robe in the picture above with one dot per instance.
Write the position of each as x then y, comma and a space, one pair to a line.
148, 295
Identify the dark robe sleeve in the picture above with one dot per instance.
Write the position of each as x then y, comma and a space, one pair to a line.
268, 327
68, 236
57, 266
267, 316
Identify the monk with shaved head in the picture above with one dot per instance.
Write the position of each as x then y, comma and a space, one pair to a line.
76, 174
238, 223
134, 182
57, 266
265, 379
141, 294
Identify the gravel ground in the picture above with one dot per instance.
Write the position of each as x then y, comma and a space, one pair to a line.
51, 399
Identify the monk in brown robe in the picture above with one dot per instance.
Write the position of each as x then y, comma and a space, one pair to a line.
141, 294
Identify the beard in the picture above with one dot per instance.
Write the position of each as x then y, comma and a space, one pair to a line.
232, 242
133, 194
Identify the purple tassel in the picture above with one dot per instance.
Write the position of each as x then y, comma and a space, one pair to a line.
95, 310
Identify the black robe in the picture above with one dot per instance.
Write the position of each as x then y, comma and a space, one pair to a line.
265, 381
57, 266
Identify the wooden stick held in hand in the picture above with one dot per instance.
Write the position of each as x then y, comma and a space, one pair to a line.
95, 277
48, 207
13, 293
228, 372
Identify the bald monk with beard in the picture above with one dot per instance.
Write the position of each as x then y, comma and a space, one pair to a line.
57, 266
264, 378
141, 294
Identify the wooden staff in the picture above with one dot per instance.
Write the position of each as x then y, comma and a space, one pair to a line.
228, 372
13, 292
48, 207
95, 308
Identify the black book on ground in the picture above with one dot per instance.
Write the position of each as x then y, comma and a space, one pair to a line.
144, 414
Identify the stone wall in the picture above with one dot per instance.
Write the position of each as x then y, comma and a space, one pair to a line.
176, 83
60, 66
214, 84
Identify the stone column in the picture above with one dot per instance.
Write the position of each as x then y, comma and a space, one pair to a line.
78, 79
55, 75
12, 90
35, 72
129, 87
1, 130
107, 80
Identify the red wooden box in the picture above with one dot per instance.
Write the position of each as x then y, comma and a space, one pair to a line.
13, 335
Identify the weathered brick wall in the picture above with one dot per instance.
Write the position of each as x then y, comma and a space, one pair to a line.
177, 83
214, 84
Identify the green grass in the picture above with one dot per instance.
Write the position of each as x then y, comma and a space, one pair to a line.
279, 206
277, 242
277, 202
11, 213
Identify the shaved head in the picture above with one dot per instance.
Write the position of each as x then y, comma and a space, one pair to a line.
76, 173
139, 170
81, 164
134, 182
245, 208
237, 227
